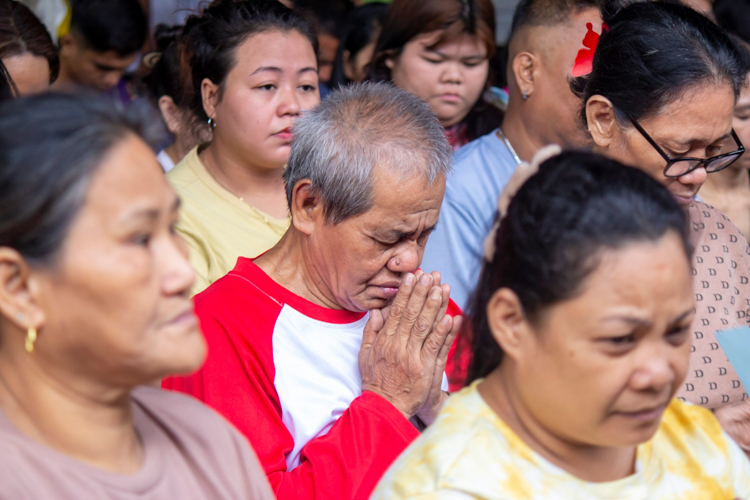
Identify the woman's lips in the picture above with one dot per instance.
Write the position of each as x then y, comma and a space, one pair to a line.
285, 135
452, 98
646, 415
683, 199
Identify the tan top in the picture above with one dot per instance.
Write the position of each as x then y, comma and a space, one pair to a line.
190, 453
217, 225
721, 267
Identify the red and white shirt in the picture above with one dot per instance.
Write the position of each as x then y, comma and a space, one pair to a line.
285, 372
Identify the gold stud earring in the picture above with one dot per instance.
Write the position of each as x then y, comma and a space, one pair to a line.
30, 339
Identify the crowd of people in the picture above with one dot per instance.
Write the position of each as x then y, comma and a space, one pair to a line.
256, 249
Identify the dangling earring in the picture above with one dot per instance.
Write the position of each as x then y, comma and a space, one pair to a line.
30, 339
211, 124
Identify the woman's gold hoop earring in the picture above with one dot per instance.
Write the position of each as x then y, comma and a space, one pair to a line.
30, 339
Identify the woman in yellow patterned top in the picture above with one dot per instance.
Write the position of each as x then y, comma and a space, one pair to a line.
582, 338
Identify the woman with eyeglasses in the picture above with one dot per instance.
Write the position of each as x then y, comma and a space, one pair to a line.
660, 97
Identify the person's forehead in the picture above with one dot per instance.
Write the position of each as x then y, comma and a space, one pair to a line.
110, 59
405, 194
128, 174
702, 114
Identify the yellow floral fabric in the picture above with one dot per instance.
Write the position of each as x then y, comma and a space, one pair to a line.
469, 452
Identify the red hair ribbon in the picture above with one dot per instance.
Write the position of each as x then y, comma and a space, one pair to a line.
585, 58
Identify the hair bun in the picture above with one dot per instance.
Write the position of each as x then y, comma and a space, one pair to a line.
164, 35
611, 8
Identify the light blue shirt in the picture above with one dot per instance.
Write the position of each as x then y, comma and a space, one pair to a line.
480, 171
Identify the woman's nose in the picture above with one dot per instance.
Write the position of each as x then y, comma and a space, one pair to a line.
695, 178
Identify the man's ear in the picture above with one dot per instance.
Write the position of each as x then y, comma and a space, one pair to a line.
171, 114
601, 120
507, 322
210, 97
307, 207
68, 45
525, 69
19, 291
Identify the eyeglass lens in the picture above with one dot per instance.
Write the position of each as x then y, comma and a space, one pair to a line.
681, 167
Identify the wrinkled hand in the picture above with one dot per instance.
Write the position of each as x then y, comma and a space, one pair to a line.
405, 347
735, 420
437, 396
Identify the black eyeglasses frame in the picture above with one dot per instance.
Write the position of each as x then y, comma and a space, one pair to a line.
701, 162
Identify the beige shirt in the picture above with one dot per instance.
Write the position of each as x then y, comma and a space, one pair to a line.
190, 453
721, 268
217, 225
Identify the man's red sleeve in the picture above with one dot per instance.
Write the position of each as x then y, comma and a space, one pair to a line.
345, 463
459, 357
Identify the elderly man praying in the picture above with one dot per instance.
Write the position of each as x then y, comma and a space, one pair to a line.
324, 348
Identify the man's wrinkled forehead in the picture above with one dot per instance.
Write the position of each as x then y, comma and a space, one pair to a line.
401, 195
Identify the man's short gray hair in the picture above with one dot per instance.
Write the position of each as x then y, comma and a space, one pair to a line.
355, 129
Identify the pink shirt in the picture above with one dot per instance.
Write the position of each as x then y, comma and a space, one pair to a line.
190, 453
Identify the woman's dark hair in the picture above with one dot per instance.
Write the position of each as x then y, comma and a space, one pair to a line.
212, 38
22, 33
360, 28
8, 88
557, 225
652, 53
50, 147
165, 76
407, 19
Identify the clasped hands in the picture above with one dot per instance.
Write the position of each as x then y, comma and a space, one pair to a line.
405, 347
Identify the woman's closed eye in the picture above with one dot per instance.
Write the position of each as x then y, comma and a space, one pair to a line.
140, 239
620, 340
678, 334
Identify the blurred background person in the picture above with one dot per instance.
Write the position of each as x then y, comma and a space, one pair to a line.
26, 49
104, 38
734, 16
545, 38
327, 17
669, 113
439, 50
582, 324
171, 12
94, 306
705, 7
253, 71
729, 190
168, 88
359, 34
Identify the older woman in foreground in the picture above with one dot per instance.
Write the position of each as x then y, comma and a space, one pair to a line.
94, 303
582, 338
